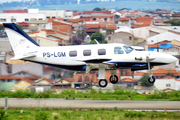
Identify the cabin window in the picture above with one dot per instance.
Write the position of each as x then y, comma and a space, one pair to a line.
87, 52
102, 52
94, 19
118, 50
128, 49
73, 53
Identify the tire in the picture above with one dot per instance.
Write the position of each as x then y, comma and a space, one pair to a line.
103, 83
113, 79
151, 80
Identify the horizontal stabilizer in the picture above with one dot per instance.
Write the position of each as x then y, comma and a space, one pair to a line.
23, 56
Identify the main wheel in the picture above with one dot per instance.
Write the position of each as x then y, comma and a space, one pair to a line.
151, 79
113, 79
102, 83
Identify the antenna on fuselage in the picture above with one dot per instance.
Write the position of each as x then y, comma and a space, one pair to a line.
96, 41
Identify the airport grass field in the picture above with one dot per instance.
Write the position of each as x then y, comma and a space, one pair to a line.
116, 94
87, 114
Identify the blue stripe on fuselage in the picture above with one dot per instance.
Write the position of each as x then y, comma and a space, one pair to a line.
14, 27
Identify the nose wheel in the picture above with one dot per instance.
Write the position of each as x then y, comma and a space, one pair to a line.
103, 83
113, 79
151, 79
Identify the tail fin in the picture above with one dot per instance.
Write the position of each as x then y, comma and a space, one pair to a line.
19, 40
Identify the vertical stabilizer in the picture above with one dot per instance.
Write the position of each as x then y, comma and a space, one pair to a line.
19, 40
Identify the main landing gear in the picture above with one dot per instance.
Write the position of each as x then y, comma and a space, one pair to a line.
103, 82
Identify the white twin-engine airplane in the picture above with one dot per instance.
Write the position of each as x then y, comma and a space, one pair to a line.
99, 57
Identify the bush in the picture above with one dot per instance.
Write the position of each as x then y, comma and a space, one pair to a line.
2, 114
134, 114
41, 116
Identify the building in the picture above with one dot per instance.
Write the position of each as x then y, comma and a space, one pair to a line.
176, 16
37, 25
142, 22
57, 13
124, 21
121, 37
169, 36
167, 82
20, 17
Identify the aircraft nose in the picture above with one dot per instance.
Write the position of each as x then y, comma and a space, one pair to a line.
172, 59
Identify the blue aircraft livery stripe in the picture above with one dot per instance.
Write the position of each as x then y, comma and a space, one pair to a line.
14, 27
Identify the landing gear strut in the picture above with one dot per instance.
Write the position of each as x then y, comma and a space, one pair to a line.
151, 78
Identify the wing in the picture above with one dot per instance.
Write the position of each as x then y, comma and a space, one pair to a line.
94, 60
23, 56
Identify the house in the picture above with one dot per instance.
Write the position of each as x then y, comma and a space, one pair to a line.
124, 21
62, 26
126, 83
15, 77
23, 84
169, 36
112, 27
20, 17
176, 16
121, 37
103, 18
6, 85
57, 13
42, 81
167, 82
50, 37
91, 27
158, 73
139, 14
142, 22
37, 25
62, 83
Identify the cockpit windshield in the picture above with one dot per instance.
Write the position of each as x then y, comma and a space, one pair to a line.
128, 49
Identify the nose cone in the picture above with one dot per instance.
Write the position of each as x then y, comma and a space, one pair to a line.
172, 59
166, 58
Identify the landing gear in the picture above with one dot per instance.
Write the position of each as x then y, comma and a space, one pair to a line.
113, 79
151, 79
103, 83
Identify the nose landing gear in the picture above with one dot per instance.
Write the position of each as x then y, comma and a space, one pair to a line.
151, 78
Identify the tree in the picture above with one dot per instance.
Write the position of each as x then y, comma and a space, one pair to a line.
144, 80
97, 9
109, 31
20, 26
173, 23
168, 74
92, 42
98, 36
76, 40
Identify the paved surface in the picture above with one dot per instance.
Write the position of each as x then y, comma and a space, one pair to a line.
85, 104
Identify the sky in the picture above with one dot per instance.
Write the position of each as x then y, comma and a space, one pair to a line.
1, 1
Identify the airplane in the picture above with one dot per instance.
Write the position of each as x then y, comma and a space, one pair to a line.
87, 58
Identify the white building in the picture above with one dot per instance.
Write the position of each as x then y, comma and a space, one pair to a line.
167, 82
57, 13
169, 36
20, 17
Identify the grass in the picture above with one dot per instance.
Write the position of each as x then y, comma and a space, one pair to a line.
116, 94
88, 114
